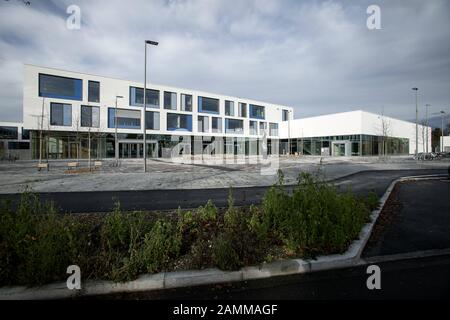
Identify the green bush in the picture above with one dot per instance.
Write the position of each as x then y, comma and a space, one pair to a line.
160, 245
315, 219
37, 244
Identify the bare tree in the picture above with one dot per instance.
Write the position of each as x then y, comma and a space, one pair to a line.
384, 129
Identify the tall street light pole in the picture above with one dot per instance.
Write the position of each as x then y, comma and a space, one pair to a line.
153, 43
426, 122
115, 134
442, 132
417, 124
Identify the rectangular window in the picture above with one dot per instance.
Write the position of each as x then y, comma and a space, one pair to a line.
60, 87
170, 100
273, 127
90, 116
257, 112
126, 119
262, 127
152, 120
203, 124
94, 91
285, 115
216, 125
25, 134
18, 145
242, 110
234, 126
229, 108
186, 102
9, 133
208, 105
137, 97
60, 114
253, 128
179, 122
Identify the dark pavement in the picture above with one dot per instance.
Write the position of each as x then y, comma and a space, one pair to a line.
423, 278
103, 201
419, 219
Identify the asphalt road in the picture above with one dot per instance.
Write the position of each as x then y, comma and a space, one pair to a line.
104, 201
418, 219
420, 278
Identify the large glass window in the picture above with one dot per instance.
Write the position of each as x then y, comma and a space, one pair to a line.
90, 116
203, 124
18, 145
208, 105
9, 132
25, 134
257, 112
186, 102
216, 125
229, 108
152, 120
137, 97
273, 129
126, 119
60, 87
234, 126
285, 115
170, 100
242, 110
179, 122
262, 127
253, 127
60, 114
94, 91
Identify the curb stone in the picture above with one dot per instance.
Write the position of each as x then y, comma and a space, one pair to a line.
177, 279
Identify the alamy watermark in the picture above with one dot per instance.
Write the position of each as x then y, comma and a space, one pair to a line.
73, 22
374, 20
374, 280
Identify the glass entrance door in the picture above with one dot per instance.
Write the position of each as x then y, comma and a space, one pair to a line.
339, 149
130, 150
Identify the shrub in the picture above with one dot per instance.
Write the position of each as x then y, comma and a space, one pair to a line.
161, 244
315, 219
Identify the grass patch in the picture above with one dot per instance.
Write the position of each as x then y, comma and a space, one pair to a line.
37, 244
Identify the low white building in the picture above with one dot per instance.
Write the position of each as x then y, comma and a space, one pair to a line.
14, 141
354, 133
445, 143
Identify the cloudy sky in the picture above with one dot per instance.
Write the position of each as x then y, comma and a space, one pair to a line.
316, 56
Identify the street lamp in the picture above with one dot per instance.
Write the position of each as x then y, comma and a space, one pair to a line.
426, 121
153, 43
417, 126
442, 131
115, 135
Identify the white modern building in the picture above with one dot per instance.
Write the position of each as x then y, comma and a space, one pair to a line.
75, 114
354, 133
445, 143
14, 141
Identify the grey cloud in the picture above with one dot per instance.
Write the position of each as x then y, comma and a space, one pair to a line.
317, 56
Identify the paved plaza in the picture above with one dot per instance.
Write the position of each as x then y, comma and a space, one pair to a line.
164, 174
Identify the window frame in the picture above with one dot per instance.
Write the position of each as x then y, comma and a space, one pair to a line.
89, 91
78, 88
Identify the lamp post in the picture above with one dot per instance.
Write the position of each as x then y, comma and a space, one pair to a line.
153, 43
442, 132
289, 132
115, 134
426, 122
417, 126
42, 128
